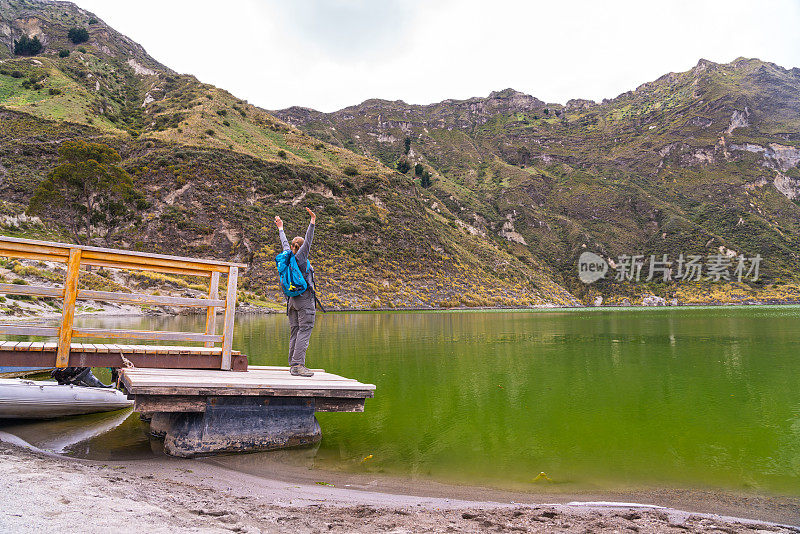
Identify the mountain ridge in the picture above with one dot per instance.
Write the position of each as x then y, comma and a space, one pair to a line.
699, 127
699, 162
215, 170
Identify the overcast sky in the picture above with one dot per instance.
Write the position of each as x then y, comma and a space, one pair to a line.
329, 54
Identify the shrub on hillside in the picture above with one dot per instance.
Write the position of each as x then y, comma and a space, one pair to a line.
425, 180
418, 168
403, 166
350, 171
63, 53
33, 83
78, 35
26, 46
93, 21
346, 228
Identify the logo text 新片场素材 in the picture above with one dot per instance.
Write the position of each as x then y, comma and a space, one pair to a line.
690, 267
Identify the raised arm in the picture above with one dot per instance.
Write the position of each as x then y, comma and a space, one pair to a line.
284, 241
305, 248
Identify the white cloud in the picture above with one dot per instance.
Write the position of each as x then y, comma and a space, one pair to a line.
328, 54
344, 29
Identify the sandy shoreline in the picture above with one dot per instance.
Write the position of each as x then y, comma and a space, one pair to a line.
298, 467
46, 492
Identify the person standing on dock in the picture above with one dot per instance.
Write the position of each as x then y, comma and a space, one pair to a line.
301, 309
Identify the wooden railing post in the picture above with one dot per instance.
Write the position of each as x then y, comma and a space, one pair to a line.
211, 312
230, 310
68, 313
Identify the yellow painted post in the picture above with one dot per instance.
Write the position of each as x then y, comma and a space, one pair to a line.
68, 313
211, 312
230, 310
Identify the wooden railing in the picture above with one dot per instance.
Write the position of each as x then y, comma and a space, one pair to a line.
74, 256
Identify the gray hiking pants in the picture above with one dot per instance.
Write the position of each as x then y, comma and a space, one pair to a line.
302, 313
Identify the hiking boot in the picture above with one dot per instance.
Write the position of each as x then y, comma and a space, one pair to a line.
300, 370
87, 379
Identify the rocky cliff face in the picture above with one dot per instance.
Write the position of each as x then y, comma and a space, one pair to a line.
50, 21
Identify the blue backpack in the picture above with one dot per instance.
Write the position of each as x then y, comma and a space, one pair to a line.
293, 282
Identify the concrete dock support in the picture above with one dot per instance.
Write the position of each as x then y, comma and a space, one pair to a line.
239, 424
208, 412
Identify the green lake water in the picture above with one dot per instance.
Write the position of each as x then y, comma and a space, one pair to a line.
596, 399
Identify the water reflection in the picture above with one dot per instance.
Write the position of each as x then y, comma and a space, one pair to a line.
64, 434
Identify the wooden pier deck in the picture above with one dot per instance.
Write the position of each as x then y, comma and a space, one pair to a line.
183, 390
41, 354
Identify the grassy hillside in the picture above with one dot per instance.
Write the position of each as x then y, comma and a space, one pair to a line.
216, 170
699, 162
695, 162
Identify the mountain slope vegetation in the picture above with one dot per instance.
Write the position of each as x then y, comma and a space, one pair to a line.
702, 162
215, 170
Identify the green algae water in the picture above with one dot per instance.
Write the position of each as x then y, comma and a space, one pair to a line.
596, 399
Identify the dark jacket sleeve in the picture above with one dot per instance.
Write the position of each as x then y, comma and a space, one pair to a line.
305, 249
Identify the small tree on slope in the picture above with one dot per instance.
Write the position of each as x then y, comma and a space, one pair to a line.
27, 47
88, 191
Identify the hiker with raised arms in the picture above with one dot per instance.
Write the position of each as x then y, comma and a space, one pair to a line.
297, 277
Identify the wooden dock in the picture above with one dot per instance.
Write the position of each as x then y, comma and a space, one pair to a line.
208, 412
68, 354
183, 390
187, 392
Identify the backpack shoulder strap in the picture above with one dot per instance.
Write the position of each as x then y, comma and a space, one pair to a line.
313, 287
321, 307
